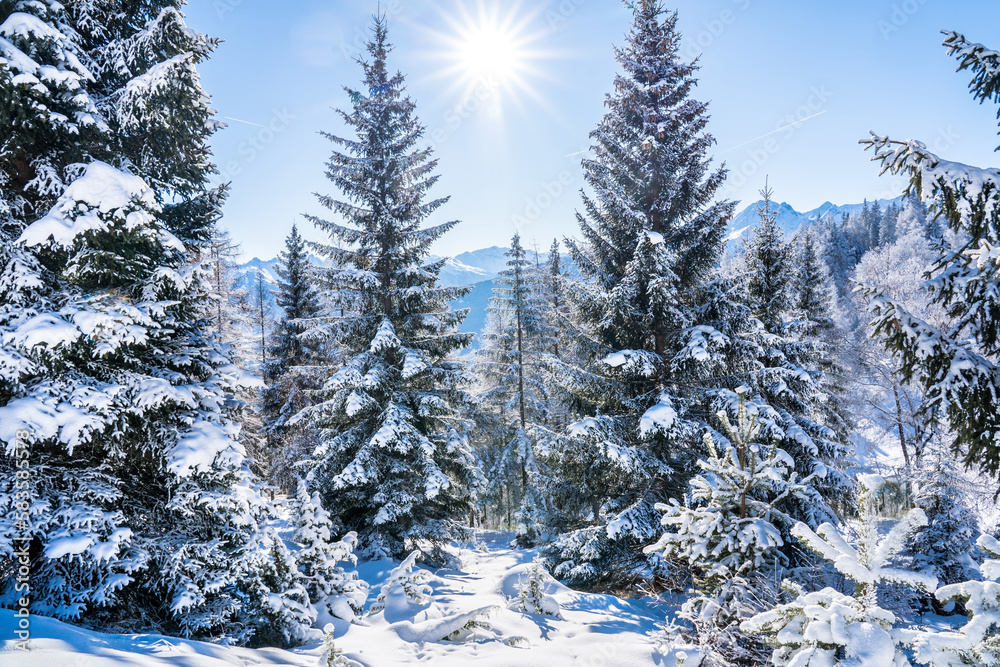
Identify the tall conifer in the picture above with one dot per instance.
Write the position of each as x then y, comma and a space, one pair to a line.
393, 463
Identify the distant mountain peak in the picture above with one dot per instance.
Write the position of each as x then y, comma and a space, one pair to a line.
790, 220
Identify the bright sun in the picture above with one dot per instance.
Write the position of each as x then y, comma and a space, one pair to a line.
489, 53
491, 50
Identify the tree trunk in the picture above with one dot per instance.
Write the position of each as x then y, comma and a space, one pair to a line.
899, 424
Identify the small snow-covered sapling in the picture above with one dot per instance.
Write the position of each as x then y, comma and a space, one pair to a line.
413, 584
531, 598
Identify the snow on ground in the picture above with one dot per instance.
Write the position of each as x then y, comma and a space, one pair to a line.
595, 630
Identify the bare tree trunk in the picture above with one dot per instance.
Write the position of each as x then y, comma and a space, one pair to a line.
899, 424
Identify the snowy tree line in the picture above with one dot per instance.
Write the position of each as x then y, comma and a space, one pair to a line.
653, 409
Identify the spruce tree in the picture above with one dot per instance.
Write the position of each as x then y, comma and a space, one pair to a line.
651, 235
393, 464
812, 281
50, 122
513, 366
956, 364
511, 359
944, 547
144, 62
731, 534
790, 364
555, 293
143, 511
816, 303
291, 371
769, 268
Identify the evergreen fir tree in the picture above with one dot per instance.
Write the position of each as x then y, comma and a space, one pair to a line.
874, 225
815, 300
887, 230
956, 365
835, 628
913, 219
513, 366
144, 513
788, 376
51, 123
393, 464
555, 293
651, 235
944, 547
339, 593
769, 268
512, 357
290, 373
149, 91
731, 535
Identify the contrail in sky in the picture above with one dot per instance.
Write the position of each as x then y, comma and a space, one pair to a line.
245, 121
785, 127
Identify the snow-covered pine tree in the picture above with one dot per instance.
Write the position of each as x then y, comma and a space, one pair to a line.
730, 535
47, 109
815, 298
329, 586
512, 365
651, 236
769, 268
832, 628
789, 374
944, 547
555, 293
291, 371
956, 365
873, 223
818, 312
890, 220
149, 92
143, 512
531, 596
405, 584
393, 465
976, 643
913, 217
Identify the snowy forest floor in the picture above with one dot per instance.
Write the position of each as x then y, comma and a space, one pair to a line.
596, 630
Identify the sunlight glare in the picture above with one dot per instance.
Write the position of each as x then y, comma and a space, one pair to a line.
488, 50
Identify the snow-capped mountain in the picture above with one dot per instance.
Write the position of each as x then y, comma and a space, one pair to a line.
791, 220
476, 266
480, 268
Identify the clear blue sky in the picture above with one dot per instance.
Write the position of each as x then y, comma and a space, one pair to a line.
841, 68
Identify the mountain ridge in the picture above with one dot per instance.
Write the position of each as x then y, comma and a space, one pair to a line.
480, 268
